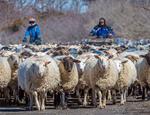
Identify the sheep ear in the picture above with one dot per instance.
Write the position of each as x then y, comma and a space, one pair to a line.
46, 63
143, 56
110, 57
1, 53
106, 52
132, 58
76, 61
20, 56
96, 56
124, 61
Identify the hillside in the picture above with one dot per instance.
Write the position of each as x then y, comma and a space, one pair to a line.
128, 18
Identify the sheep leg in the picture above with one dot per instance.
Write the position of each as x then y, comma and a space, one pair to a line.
130, 90
67, 95
63, 100
26, 99
139, 90
85, 97
15, 94
94, 102
146, 92
7, 95
122, 97
39, 99
31, 101
125, 95
79, 96
57, 99
43, 95
143, 93
20, 94
35, 95
104, 98
109, 95
100, 99
134, 91
114, 96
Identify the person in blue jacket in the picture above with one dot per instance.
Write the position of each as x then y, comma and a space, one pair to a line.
33, 33
102, 30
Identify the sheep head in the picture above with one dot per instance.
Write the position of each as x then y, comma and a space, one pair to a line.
111, 53
147, 57
68, 63
39, 68
13, 60
102, 63
26, 53
60, 51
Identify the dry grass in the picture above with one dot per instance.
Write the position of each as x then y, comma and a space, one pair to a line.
129, 18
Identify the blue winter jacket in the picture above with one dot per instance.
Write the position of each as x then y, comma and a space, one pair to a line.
33, 33
102, 31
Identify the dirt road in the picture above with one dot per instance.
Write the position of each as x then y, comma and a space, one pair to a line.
132, 107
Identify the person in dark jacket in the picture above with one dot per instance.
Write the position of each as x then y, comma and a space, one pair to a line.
33, 33
102, 30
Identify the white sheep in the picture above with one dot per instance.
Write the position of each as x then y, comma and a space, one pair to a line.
8, 67
91, 75
5, 72
68, 70
100, 74
106, 79
143, 72
37, 75
88, 79
82, 84
69, 75
127, 77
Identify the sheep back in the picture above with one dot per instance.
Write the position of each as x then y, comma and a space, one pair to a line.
69, 80
28, 79
90, 74
143, 71
109, 78
127, 76
5, 72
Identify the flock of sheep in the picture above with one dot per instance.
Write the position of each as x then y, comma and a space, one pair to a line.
105, 71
